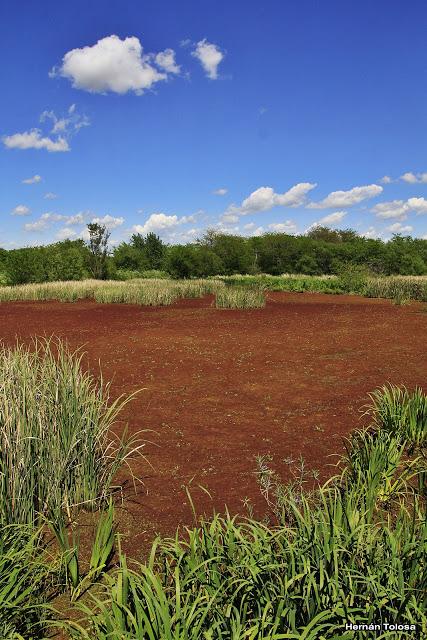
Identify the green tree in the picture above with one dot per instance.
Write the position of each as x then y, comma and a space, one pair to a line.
98, 250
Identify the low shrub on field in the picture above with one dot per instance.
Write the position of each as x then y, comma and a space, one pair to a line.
353, 278
286, 282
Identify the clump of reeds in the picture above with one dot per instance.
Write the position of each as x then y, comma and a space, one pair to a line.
239, 298
56, 445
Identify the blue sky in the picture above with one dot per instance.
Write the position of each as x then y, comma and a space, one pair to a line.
244, 116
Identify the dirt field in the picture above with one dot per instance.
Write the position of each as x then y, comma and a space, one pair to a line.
224, 386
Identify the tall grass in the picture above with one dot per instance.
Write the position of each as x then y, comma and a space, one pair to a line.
56, 445
27, 581
397, 288
150, 291
353, 551
240, 298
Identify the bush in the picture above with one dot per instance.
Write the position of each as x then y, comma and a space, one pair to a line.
353, 278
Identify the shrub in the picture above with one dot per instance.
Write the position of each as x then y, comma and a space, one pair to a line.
353, 278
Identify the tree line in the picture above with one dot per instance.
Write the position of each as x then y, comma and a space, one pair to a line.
321, 251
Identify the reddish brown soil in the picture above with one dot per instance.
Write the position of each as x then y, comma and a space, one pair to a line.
224, 386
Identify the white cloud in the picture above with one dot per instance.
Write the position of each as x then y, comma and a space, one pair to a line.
50, 196
409, 177
371, 233
329, 220
44, 222
35, 140
210, 56
288, 226
393, 209
348, 198
156, 222
77, 219
21, 210
333, 218
34, 180
419, 205
108, 221
113, 65
166, 60
399, 209
414, 178
397, 227
220, 192
229, 218
66, 233
386, 180
265, 198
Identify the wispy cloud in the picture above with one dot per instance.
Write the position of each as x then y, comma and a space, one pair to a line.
34, 180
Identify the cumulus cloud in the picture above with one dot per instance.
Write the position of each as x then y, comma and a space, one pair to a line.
50, 196
108, 221
34, 180
348, 198
156, 222
386, 180
393, 209
220, 192
115, 65
399, 209
160, 222
288, 226
21, 210
414, 178
166, 60
209, 56
34, 139
419, 205
265, 198
397, 227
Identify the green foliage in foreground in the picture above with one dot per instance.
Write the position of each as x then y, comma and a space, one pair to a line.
56, 447
26, 582
355, 551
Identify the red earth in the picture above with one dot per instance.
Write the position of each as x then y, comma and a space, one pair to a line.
222, 386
